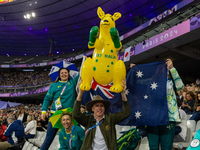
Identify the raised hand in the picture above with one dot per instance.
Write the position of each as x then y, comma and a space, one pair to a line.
123, 93
169, 64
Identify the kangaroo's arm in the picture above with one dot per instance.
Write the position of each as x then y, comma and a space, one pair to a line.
94, 32
115, 38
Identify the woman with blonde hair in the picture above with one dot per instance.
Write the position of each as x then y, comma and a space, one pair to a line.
22, 115
30, 130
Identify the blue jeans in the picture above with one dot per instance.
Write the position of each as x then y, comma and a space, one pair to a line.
177, 130
51, 133
29, 136
195, 116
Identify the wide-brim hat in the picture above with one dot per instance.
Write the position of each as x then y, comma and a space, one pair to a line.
97, 99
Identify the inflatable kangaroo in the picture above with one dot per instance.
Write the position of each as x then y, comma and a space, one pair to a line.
104, 66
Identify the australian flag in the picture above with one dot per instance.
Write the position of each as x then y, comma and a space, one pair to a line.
146, 93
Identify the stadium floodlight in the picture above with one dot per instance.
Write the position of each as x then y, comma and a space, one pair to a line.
33, 14
28, 16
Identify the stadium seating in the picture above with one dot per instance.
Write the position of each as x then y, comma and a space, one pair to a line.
188, 139
36, 143
26, 145
55, 144
34, 148
29, 146
188, 117
192, 125
197, 128
144, 145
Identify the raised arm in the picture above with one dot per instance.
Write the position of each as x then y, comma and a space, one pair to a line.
77, 115
122, 115
175, 76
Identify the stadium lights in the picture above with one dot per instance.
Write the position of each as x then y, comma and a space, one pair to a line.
28, 16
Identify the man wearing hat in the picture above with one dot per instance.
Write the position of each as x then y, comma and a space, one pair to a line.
100, 133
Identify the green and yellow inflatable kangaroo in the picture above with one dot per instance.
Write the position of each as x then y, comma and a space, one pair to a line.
104, 65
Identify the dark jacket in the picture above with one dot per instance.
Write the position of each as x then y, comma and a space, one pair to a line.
14, 132
24, 118
107, 127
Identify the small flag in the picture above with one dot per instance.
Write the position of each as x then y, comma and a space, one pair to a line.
127, 54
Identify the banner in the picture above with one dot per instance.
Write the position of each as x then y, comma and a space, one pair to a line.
163, 37
157, 18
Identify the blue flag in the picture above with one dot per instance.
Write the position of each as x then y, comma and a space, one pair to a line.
146, 93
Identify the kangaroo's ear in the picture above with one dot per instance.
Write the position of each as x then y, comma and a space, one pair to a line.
100, 13
116, 16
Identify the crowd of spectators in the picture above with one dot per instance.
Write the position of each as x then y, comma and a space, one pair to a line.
25, 119
27, 110
13, 82
23, 78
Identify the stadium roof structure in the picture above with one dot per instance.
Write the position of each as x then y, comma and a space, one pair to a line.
29, 27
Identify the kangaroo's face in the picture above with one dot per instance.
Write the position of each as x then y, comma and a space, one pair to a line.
107, 20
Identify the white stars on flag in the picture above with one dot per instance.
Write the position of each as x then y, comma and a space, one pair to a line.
154, 86
139, 74
138, 114
127, 92
145, 97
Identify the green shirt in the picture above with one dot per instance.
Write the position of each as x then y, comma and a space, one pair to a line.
68, 97
76, 141
171, 96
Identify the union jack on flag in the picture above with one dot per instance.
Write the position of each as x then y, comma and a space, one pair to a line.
98, 89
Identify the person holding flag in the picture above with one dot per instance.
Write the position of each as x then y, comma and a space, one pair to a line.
164, 134
100, 127
61, 95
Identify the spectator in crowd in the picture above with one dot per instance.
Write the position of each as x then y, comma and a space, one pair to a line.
3, 127
36, 115
196, 114
180, 95
181, 129
188, 105
44, 122
184, 94
164, 134
61, 95
69, 131
197, 89
191, 88
30, 130
104, 134
39, 126
14, 132
22, 115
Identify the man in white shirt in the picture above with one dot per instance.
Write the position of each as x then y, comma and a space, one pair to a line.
100, 126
